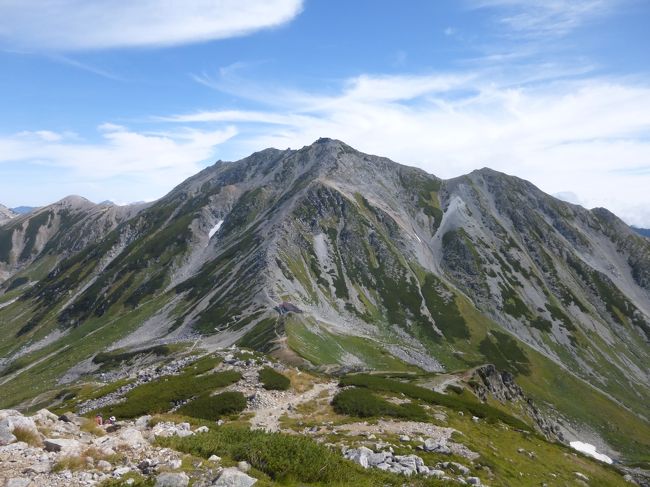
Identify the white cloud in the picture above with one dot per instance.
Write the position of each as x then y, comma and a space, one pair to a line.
587, 136
100, 24
149, 164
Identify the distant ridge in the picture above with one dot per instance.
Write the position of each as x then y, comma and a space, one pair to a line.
23, 210
642, 231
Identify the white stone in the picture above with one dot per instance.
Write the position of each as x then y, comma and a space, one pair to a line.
118, 472
172, 480
232, 477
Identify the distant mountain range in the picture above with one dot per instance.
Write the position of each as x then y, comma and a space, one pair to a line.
642, 231
338, 259
21, 210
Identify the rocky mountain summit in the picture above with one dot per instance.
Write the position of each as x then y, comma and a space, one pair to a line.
337, 261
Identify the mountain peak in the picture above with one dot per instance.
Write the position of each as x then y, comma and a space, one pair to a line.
75, 201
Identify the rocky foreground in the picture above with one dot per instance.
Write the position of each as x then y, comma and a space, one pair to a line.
70, 451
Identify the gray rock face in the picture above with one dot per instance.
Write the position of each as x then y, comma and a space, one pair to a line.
233, 477
172, 480
488, 381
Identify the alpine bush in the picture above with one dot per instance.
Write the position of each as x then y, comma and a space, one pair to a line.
272, 380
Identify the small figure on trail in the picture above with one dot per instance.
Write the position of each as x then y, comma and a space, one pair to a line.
112, 420
99, 420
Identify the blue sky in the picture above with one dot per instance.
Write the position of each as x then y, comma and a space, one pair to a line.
125, 103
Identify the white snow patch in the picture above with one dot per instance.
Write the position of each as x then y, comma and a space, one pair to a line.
590, 450
215, 228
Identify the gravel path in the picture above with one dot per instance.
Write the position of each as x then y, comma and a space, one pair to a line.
268, 417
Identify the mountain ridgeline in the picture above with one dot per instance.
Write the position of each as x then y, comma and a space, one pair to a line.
334, 258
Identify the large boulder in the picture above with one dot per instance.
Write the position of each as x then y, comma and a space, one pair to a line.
360, 456
233, 477
5, 413
106, 444
44, 416
143, 422
435, 446
63, 445
132, 437
375, 459
6, 436
172, 480
410, 463
19, 422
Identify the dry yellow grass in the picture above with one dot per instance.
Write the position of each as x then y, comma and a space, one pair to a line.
300, 381
70, 462
89, 426
28, 436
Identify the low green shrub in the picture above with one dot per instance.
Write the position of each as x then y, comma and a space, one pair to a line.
203, 365
286, 459
459, 402
214, 407
456, 389
272, 380
363, 404
161, 395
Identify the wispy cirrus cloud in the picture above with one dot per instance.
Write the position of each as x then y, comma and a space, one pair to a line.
544, 18
82, 25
